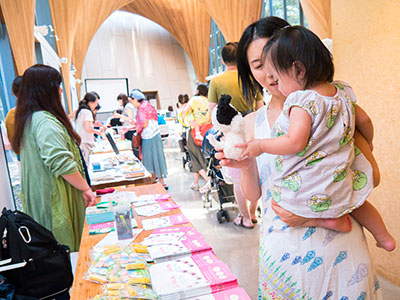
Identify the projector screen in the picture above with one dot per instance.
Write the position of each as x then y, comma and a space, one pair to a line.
108, 90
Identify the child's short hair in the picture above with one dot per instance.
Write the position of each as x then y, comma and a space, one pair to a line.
298, 44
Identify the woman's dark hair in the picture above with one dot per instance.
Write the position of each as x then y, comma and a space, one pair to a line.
39, 91
15, 85
170, 108
228, 53
297, 44
263, 28
202, 89
84, 104
124, 99
183, 98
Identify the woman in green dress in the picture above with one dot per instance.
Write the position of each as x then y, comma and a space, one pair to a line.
54, 191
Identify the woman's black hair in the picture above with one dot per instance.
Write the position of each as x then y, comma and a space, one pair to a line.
263, 28
15, 85
124, 99
89, 97
39, 91
297, 44
183, 98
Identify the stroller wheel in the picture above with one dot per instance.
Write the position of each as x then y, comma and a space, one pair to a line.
226, 214
190, 167
220, 216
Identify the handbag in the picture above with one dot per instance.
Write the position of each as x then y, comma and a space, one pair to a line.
31, 258
136, 140
203, 129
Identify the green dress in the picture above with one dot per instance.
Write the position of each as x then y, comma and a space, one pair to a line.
47, 152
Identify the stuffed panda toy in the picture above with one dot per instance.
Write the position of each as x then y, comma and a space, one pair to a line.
226, 119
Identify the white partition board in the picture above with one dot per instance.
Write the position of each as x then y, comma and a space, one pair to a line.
108, 90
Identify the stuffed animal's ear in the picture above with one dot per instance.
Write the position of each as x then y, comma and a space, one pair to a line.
225, 111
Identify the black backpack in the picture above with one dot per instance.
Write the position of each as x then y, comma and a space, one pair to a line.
45, 269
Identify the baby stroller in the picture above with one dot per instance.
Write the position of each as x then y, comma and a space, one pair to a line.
220, 187
184, 149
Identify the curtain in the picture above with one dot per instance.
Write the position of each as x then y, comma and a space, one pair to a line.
19, 16
318, 16
187, 21
65, 15
93, 15
233, 16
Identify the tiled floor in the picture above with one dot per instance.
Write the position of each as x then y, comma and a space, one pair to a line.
236, 246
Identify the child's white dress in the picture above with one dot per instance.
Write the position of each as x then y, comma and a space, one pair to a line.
330, 177
308, 263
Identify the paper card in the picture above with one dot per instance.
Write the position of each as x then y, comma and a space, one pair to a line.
149, 210
112, 239
183, 229
162, 197
169, 205
231, 294
185, 277
178, 219
157, 239
150, 224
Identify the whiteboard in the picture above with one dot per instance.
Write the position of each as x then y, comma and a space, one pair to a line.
108, 90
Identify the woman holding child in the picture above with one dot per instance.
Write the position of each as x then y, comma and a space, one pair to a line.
295, 262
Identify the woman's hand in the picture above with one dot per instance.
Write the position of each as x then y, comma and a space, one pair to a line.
89, 197
231, 163
250, 149
286, 216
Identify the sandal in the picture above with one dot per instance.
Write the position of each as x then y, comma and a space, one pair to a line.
240, 223
195, 187
205, 188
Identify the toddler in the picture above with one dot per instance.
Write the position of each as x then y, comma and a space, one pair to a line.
319, 174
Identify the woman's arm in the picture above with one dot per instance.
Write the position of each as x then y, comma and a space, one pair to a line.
249, 180
364, 125
294, 142
78, 182
89, 128
362, 144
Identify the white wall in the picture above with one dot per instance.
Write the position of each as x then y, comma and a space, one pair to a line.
128, 45
6, 199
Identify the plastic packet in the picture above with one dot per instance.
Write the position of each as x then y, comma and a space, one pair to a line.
129, 291
140, 248
117, 275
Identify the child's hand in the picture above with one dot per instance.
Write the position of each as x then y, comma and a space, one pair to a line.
251, 149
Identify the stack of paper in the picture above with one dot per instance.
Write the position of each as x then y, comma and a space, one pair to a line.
155, 209
150, 224
150, 199
192, 276
232, 294
180, 242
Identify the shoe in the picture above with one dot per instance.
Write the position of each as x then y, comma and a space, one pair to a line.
254, 221
239, 222
195, 187
205, 188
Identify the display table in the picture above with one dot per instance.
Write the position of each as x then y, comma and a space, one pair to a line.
83, 289
116, 175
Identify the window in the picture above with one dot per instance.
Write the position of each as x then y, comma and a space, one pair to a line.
290, 10
217, 42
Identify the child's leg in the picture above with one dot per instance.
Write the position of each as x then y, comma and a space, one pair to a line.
369, 217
